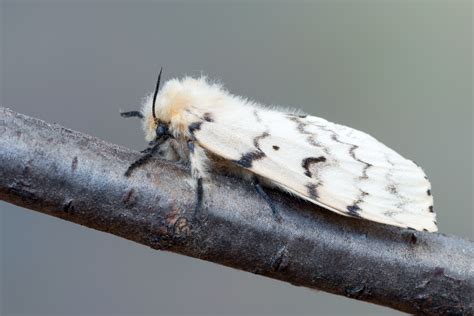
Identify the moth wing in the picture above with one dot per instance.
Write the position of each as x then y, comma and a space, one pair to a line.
334, 166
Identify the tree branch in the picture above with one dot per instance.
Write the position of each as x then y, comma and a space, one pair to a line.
79, 178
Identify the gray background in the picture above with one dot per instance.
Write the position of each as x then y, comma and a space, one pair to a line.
400, 70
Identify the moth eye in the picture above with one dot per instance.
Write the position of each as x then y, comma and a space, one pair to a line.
161, 129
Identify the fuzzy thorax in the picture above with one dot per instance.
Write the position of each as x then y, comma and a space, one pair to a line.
181, 102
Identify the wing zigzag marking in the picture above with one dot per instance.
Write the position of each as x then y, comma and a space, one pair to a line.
353, 209
366, 164
313, 190
310, 137
308, 162
392, 186
247, 159
352, 150
257, 139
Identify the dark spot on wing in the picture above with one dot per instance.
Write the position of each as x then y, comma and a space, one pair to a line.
307, 162
208, 117
247, 159
354, 210
275, 147
428, 192
392, 189
312, 190
431, 209
196, 126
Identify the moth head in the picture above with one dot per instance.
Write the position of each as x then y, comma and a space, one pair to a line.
154, 126
173, 107
170, 110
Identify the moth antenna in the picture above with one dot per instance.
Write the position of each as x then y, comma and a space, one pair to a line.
156, 92
132, 114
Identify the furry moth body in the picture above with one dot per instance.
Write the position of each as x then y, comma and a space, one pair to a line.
339, 168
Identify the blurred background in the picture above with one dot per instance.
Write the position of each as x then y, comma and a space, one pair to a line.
399, 70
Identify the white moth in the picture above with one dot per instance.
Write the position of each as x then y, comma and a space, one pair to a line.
337, 167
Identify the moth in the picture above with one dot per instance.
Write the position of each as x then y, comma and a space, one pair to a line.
197, 122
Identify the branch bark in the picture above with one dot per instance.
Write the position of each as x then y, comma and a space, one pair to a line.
79, 178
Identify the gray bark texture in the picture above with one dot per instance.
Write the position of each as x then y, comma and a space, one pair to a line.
79, 178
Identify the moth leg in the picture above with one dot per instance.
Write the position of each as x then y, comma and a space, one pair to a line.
199, 197
148, 154
258, 187
199, 166
149, 149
